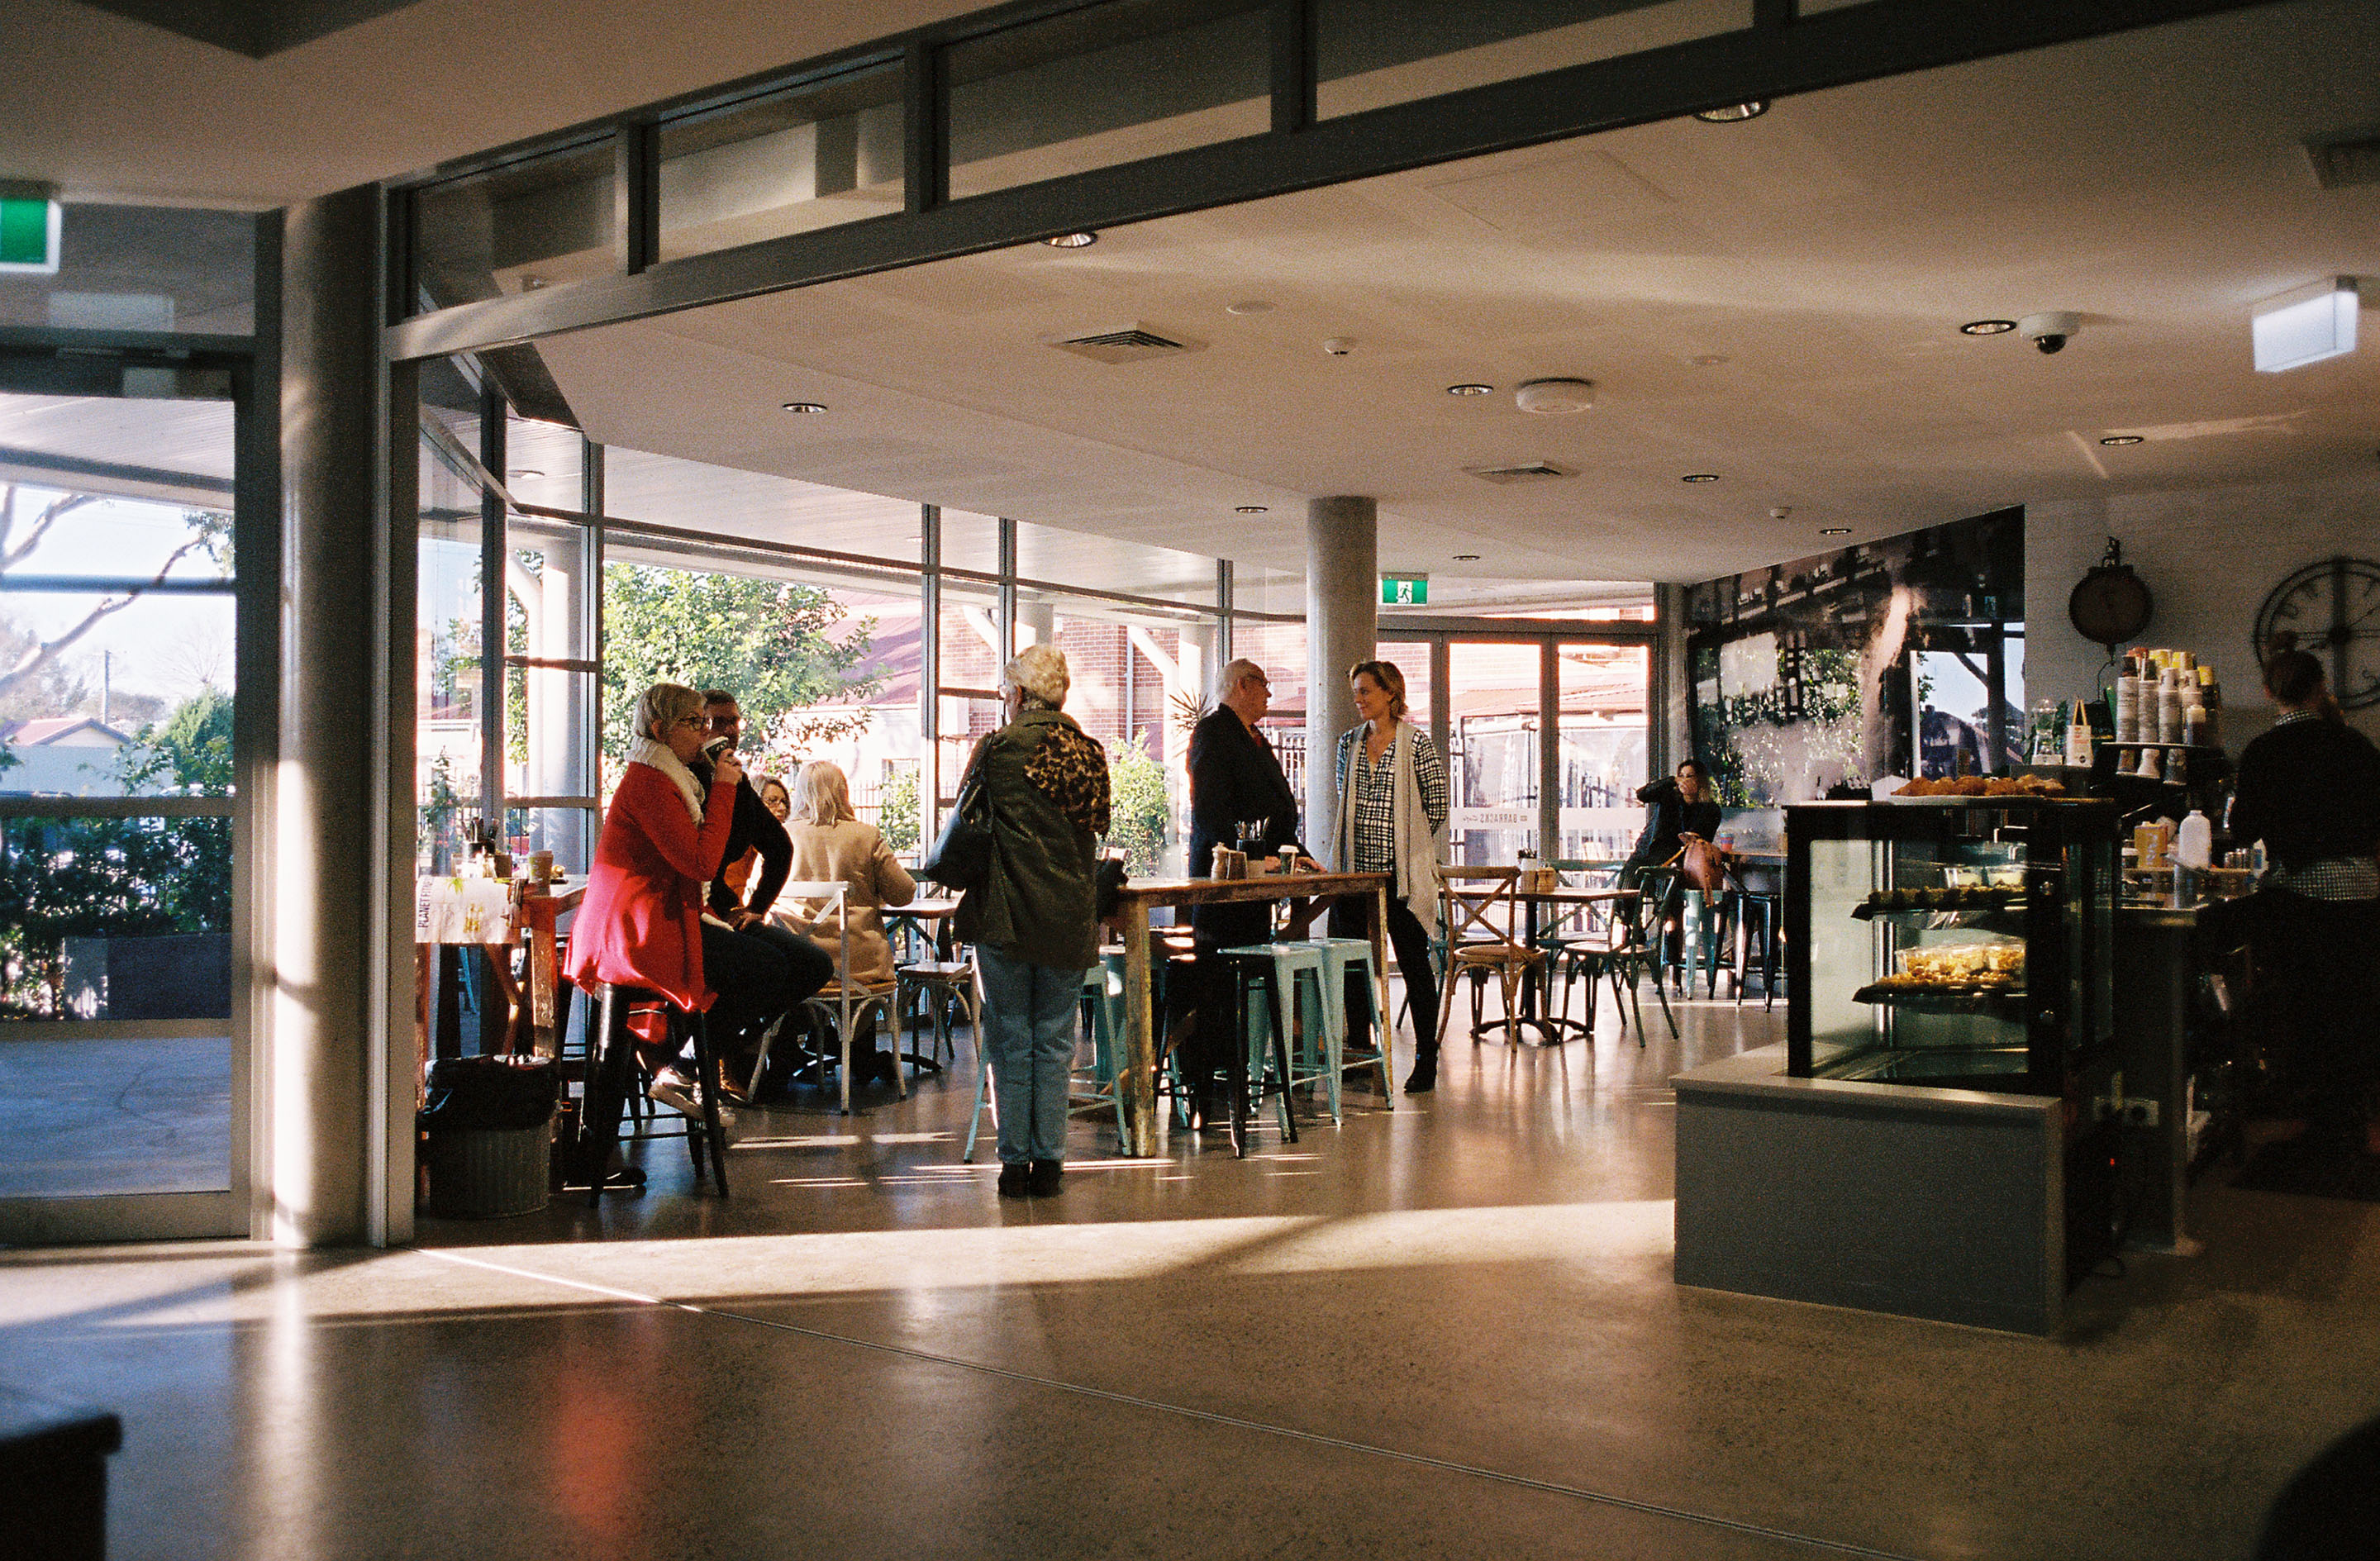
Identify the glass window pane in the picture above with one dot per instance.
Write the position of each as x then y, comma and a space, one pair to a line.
1279, 649
142, 268
809, 158
1370, 54
446, 664
1492, 735
730, 502
1050, 553
544, 463
1109, 84
1602, 756
515, 228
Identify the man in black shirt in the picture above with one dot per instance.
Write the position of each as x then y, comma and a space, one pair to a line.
1235, 778
758, 969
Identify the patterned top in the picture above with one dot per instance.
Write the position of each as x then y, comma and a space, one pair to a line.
1376, 807
2326, 877
1071, 770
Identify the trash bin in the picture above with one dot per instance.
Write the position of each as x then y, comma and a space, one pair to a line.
486, 1130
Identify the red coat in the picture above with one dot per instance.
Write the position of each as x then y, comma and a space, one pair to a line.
641, 923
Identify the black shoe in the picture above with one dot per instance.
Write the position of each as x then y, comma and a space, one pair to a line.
1421, 1081
881, 1068
1047, 1179
1013, 1180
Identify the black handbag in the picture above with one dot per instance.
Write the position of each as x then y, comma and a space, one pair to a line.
1107, 880
961, 858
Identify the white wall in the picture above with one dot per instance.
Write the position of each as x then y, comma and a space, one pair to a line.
2209, 557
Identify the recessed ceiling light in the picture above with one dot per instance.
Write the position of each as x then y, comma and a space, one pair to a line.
1700, 477
2115, 439
1250, 509
1249, 306
1834, 531
525, 471
1708, 359
1470, 390
1734, 113
806, 408
1987, 328
1467, 558
1073, 241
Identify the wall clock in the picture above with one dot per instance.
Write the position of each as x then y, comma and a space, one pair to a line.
2110, 604
2333, 610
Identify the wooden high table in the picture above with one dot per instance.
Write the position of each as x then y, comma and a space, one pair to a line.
1303, 890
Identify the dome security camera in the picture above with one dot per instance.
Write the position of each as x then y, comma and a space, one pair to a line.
2049, 331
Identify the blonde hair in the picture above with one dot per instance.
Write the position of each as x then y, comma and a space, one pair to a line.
663, 706
820, 793
1040, 672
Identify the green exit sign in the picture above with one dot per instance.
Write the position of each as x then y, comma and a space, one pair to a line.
1404, 590
30, 225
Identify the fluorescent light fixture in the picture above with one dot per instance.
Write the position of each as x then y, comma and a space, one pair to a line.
2304, 325
1250, 509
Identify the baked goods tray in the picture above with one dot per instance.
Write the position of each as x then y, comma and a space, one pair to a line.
1894, 902
1942, 998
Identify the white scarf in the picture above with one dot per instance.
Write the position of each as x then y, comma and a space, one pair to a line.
647, 751
1418, 849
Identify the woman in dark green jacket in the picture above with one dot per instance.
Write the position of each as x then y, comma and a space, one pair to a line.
1034, 922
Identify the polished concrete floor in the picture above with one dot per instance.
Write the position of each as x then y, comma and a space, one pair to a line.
1447, 1329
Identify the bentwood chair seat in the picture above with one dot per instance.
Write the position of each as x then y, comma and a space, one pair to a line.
1481, 912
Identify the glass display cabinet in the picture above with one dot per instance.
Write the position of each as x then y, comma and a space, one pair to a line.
1952, 942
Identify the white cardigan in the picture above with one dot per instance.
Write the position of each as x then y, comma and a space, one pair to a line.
1419, 848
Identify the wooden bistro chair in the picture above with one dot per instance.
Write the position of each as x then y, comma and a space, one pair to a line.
1478, 908
842, 1000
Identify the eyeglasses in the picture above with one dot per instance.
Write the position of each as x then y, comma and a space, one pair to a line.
698, 722
725, 723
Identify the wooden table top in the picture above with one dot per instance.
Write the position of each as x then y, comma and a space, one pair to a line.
923, 910
1265, 886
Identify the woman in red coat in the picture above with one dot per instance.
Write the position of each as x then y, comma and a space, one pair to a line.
641, 923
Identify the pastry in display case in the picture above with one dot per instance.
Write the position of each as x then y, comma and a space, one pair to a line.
1962, 941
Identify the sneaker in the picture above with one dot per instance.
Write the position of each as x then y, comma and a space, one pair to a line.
1047, 1179
1013, 1179
674, 1090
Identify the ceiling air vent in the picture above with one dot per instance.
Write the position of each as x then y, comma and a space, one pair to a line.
1526, 471
1133, 344
2338, 163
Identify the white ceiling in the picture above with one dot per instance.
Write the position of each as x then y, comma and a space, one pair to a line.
1825, 253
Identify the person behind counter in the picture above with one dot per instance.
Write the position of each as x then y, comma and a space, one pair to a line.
1235, 779
2310, 789
1681, 810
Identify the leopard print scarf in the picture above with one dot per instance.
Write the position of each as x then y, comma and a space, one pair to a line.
1071, 770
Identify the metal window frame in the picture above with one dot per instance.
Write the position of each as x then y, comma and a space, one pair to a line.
1780, 55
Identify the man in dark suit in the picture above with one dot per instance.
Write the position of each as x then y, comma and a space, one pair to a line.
1235, 778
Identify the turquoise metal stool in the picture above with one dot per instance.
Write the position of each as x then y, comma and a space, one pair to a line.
1340, 956
1103, 996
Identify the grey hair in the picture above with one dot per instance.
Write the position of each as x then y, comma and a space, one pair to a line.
1040, 672
663, 706
1238, 672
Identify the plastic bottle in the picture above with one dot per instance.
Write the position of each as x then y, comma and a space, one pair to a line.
2193, 844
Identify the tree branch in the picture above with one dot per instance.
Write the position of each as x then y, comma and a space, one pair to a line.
47, 651
11, 557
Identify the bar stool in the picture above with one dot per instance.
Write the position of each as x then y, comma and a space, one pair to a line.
1258, 971
1318, 1053
1752, 907
607, 1082
1103, 997
1341, 956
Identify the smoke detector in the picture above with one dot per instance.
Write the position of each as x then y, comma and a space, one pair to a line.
1555, 398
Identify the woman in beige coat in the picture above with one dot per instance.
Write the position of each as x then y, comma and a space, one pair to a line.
830, 844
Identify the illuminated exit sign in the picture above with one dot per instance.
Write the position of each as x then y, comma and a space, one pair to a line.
1404, 590
29, 227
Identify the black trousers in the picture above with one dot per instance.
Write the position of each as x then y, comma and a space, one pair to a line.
759, 973
2321, 954
1411, 942
1206, 1049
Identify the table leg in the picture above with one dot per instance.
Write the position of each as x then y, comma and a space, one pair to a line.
1140, 1032
425, 956
545, 1037
1379, 903
500, 964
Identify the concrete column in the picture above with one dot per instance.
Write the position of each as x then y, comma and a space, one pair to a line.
1342, 596
1668, 706
320, 1095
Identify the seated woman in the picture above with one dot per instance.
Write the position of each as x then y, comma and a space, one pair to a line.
663, 837
780, 803
830, 844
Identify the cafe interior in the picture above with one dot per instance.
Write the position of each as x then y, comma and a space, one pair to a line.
1928, 423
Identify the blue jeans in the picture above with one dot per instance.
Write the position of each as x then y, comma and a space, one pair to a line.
1028, 1031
